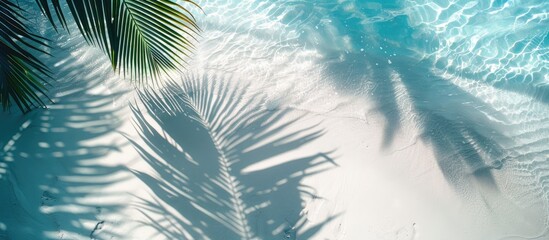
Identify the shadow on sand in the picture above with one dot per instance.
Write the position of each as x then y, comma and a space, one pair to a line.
473, 132
214, 174
456, 123
370, 49
52, 160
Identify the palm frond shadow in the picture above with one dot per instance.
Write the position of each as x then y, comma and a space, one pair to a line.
54, 150
389, 72
210, 179
472, 138
466, 145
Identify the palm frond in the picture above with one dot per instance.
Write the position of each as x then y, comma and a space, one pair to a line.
22, 75
142, 38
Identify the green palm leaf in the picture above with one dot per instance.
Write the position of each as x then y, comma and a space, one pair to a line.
142, 38
22, 76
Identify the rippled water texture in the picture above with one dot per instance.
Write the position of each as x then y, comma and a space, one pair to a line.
471, 75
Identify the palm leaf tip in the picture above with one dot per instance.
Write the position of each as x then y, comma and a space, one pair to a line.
142, 38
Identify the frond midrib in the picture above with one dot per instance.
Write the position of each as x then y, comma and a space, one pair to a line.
238, 204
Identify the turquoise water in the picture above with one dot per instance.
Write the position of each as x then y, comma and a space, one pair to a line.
501, 43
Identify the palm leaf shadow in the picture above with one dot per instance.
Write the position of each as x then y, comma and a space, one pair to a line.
52, 169
473, 140
404, 88
207, 161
